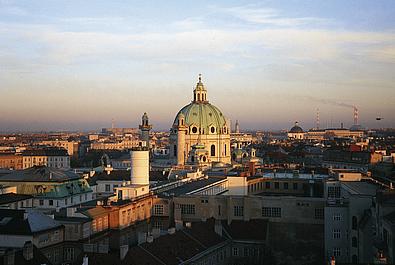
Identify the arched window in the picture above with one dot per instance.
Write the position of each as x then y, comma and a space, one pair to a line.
354, 223
225, 149
194, 129
212, 150
354, 242
212, 129
175, 150
198, 97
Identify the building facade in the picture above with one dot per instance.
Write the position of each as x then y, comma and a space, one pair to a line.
200, 124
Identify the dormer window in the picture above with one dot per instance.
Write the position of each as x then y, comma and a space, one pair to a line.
212, 129
194, 129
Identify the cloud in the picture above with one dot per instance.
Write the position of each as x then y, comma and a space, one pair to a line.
268, 16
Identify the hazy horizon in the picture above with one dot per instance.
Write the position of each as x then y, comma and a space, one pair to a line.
77, 65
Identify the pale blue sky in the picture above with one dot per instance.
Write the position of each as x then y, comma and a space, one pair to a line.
79, 64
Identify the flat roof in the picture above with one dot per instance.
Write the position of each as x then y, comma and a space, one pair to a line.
192, 186
360, 187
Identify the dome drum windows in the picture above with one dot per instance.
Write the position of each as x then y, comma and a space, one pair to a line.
212, 150
194, 129
212, 129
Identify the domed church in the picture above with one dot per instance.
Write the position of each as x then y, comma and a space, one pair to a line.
200, 134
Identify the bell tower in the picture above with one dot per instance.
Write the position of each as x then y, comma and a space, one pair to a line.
200, 92
145, 128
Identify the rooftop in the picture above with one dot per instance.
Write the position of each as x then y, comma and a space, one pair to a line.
39, 174
12, 197
360, 188
14, 222
192, 186
175, 248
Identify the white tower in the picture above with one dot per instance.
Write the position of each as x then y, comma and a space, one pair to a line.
139, 172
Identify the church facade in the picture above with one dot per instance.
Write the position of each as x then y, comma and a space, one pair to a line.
200, 134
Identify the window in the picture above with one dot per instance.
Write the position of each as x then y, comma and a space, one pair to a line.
187, 208
285, 185
175, 150
69, 254
337, 217
319, 213
276, 212
276, 185
238, 210
336, 234
158, 209
41, 202
219, 210
354, 242
194, 129
354, 223
51, 202
336, 252
212, 129
108, 187
212, 150
267, 185
271, 212
225, 149
334, 192
295, 186
235, 252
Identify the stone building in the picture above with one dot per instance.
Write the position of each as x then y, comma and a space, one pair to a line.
200, 124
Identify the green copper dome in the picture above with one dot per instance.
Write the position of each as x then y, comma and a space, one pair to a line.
201, 116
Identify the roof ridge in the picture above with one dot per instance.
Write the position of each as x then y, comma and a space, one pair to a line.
195, 239
155, 257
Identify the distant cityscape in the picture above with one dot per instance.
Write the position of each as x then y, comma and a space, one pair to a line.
203, 192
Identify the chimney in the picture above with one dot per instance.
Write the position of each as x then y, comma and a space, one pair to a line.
85, 260
28, 250
9, 257
218, 227
123, 250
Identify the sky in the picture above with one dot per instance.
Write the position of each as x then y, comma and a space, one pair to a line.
78, 65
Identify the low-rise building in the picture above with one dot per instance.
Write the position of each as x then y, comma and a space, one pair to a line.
18, 227
56, 158
11, 161
51, 188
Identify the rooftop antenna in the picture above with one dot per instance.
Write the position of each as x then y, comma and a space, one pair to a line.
317, 119
355, 115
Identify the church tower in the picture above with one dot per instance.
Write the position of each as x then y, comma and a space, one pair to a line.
145, 127
237, 127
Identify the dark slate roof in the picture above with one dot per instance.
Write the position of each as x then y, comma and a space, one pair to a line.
46, 152
192, 186
120, 175
247, 230
173, 249
38, 258
40, 174
12, 222
12, 197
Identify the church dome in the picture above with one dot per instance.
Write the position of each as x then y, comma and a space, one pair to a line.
200, 116
296, 129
